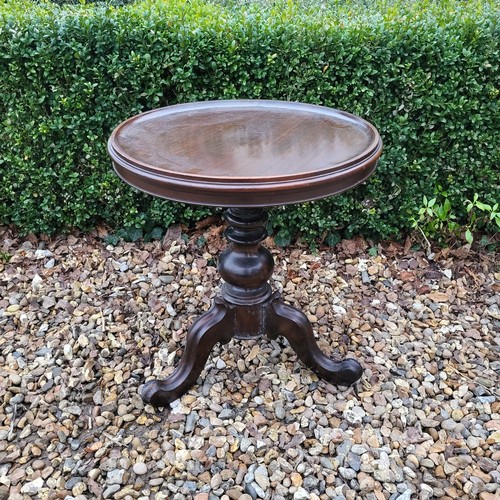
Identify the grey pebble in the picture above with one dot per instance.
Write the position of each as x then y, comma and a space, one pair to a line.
279, 411
245, 443
301, 494
449, 424
258, 490
227, 414
347, 473
353, 461
249, 488
115, 476
17, 399
405, 496
326, 463
71, 482
140, 468
191, 420
110, 490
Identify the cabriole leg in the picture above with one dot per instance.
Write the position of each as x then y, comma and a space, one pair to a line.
216, 325
292, 324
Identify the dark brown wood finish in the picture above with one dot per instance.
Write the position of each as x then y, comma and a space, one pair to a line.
245, 155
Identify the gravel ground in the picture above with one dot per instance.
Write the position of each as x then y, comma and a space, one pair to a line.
83, 325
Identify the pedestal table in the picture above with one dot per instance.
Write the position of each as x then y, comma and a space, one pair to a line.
245, 155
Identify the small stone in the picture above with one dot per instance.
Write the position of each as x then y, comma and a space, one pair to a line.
373, 441
202, 496
110, 490
426, 491
249, 488
78, 488
122, 410
42, 254
326, 463
494, 438
216, 481
316, 449
296, 479
71, 482
365, 278
429, 423
279, 411
347, 473
140, 468
486, 464
33, 487
405, 495
220, 364
383, 475
36, 283
473, 442
218, 441
191, 420
492, 425
448, 424
115, 476
38, 465
50, 264
301, 494
227, 414
484, 495
366, 483
261, 477
460, 461
68, 352
245, 443
352, 417
48, 302
353, 461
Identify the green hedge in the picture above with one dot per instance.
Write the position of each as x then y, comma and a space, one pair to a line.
426, 74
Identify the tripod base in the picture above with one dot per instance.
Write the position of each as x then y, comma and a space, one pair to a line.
247, 309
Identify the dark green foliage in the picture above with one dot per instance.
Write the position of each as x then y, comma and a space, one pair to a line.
425, 73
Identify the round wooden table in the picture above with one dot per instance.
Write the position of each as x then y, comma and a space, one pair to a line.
245, 155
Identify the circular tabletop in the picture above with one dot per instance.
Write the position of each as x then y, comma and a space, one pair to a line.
244, 153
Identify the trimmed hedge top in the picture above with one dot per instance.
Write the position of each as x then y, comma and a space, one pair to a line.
426, 74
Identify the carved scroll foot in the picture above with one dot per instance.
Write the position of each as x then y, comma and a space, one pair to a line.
292, 324
216, 325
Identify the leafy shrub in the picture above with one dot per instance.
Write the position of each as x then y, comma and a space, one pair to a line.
437, 219
426, 74
78, 2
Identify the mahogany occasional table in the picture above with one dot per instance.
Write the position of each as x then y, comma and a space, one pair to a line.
245, 155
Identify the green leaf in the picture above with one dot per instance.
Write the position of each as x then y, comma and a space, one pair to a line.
483, 206
112, 239
333, 239
282, 239
134, 234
